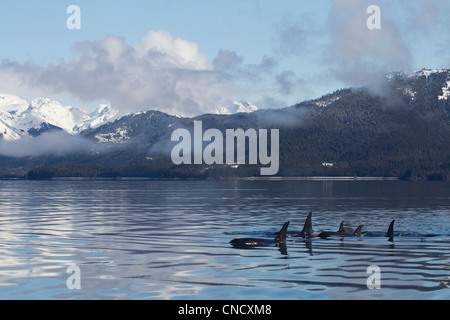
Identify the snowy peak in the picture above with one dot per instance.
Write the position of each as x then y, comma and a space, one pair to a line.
408, 74
18, 118
102, 115
12, 104
237, 107
46, 111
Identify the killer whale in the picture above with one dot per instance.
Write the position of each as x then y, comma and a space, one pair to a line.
343, 232
390, 232
328, 234
254, 242
307, 231
344, 229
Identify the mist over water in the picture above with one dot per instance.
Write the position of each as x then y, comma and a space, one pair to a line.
170, 239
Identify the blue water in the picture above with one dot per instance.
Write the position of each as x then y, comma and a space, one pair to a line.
170, 239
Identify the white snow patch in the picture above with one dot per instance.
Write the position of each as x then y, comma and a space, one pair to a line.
413, 73
237, 107
326, 103
119, 136
446, 90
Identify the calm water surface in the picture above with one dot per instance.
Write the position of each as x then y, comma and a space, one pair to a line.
170, 239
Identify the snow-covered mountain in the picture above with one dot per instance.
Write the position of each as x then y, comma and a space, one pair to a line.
102, 115
402, 131
237, 107
429, 74
20, 118
410, 74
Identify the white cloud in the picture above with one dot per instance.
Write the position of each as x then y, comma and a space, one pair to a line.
313, 53
182, 53
54, 142
160, 72
355, 53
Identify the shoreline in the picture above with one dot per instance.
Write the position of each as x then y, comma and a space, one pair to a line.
268, 178
321, 178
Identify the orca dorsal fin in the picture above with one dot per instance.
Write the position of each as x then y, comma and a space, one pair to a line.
341, 227
307, 231
357, 232
281, 237
390, 232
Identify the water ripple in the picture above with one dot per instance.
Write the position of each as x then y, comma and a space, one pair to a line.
170, 240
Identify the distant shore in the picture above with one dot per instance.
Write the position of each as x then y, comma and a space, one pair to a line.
268, 178
323, 178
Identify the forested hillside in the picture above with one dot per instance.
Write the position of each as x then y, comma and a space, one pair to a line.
399, 127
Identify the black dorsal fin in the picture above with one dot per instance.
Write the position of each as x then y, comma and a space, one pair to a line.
390, 232
281, 237
357, 232
307, 231
341, 227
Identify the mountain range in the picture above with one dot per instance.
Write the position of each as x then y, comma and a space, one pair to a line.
19, 118
398, 126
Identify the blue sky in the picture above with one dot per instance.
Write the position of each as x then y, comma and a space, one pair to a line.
188, 57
